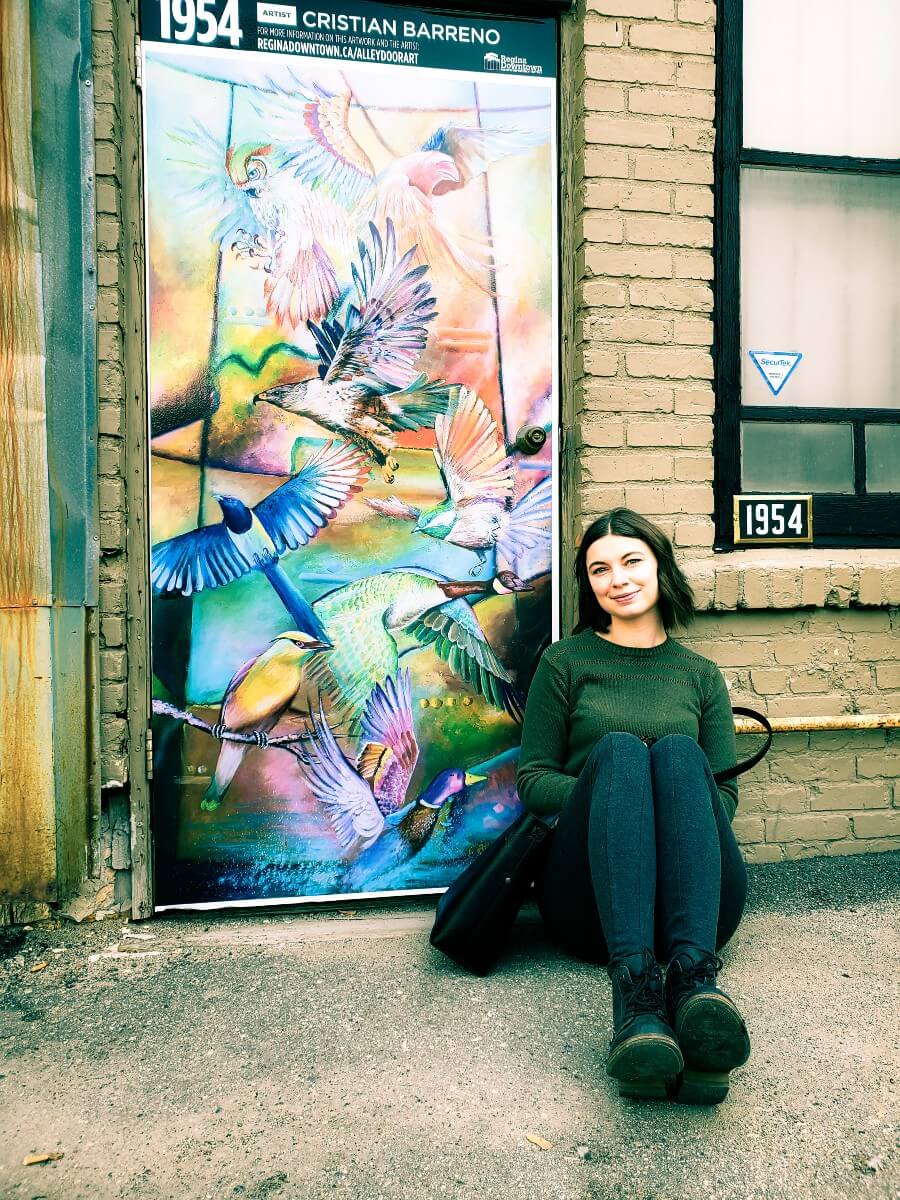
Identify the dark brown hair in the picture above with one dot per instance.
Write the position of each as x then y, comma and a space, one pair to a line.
676, 600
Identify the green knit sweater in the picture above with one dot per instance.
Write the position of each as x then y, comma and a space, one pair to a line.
586, 686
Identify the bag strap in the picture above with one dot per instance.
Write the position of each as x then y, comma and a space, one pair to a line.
740, 768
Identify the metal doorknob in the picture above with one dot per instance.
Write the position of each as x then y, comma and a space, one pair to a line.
530, 439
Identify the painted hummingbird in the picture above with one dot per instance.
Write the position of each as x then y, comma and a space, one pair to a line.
480, 512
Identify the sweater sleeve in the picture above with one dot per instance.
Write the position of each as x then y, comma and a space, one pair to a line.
543, 785
717, 737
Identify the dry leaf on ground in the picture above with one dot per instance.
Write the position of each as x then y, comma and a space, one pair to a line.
537, 1140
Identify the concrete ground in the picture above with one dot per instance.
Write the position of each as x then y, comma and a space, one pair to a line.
335, 1055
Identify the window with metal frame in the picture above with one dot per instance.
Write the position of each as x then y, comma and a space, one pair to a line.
807, 271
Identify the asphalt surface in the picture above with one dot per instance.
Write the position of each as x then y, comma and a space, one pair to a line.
304, 1057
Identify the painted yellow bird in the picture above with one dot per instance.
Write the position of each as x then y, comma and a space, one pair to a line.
258, 695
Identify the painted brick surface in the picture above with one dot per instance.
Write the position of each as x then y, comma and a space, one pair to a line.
111, 484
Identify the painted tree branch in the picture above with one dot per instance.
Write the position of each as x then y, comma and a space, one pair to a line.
286, 741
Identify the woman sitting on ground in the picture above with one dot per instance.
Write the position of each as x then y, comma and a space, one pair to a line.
623, 729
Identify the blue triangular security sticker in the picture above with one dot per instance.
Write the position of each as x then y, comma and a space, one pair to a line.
775, 366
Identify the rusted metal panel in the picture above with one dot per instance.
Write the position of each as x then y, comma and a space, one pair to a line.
27, 801
63, 152
24, 510
74, 745
62, 148
27, 807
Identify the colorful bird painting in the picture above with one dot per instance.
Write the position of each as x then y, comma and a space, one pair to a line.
479, 478
366, 802
248, 539
264, 211
314, 122
366, 618
368, 388
257, 696
299, 193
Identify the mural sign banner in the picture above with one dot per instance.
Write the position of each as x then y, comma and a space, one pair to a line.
352, 363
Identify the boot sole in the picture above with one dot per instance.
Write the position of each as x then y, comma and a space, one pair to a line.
702, 1087
713, 1040
645, 1067
712, 1034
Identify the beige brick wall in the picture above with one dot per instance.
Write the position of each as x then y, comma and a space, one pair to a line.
645, 399
111, 392
815, 793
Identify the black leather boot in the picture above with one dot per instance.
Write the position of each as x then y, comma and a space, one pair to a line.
643, 1054
710, 1029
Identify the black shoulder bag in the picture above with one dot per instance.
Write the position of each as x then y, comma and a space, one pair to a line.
477, 911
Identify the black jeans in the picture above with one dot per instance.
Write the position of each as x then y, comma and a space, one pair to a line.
643, 855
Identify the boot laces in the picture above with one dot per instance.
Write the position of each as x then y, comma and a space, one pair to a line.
703, 971
644, 994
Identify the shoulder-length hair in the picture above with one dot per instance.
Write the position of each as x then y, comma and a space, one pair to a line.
676, 600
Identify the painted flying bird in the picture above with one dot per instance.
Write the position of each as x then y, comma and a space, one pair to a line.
366, 803
248, 539
366, 618
257, 697
479, 512
368, 388
262, 209
407, 192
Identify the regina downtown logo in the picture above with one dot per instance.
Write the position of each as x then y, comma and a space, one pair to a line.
513, 63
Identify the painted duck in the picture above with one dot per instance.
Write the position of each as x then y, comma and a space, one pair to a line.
366, 803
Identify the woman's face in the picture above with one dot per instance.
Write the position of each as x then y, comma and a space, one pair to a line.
623, 576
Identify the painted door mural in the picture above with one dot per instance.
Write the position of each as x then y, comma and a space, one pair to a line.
352, 316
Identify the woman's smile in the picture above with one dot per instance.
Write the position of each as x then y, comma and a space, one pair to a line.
624, 577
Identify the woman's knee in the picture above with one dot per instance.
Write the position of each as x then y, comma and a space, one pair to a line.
677, 759
678, 748
614, 750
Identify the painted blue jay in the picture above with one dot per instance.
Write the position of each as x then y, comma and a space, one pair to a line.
254, 539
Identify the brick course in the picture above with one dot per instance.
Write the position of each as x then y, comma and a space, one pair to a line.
110, 391
813, 789
647, 155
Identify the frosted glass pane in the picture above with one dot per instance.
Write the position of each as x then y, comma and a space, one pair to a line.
821, 76
820, 275
883, 459
796, 458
